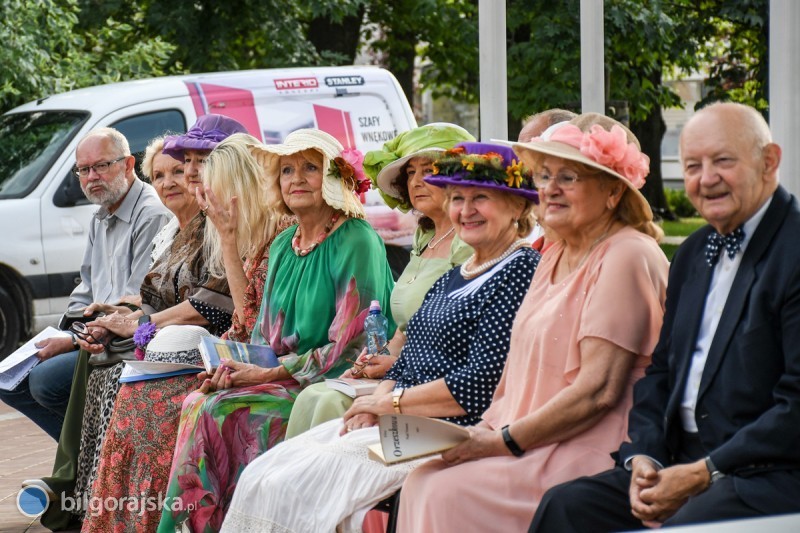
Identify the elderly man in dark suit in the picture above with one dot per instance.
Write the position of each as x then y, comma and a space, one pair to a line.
715, 426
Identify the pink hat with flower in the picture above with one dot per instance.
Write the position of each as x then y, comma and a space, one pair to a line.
596, 141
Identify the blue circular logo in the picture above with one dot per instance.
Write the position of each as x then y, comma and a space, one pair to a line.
32, 501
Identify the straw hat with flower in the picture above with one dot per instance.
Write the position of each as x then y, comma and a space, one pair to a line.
343, 175
599, 142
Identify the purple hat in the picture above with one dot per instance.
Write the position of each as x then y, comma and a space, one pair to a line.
206, 134
477, 164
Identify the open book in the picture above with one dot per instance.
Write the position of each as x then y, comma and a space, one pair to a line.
353, 387
407, 437
215, 350
15, 367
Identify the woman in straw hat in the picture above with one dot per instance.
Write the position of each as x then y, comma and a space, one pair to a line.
398, 170
449, 367
323, 273
582, 337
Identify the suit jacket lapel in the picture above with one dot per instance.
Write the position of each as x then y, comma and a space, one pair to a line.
688, 317
742, 283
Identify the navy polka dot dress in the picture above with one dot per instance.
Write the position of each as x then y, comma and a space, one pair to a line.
462, 332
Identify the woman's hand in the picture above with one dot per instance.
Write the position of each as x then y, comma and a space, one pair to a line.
225, 220
359, 421
482, 442
373, 404
234, 374
117, 324
370, 366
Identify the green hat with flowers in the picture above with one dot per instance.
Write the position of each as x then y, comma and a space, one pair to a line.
385, 166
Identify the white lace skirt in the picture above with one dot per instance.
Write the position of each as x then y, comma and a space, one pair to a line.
315, 482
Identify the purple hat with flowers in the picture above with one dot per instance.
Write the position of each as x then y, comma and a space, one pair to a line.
491, 166
206, 134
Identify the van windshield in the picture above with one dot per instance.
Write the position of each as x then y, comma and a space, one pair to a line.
29, 145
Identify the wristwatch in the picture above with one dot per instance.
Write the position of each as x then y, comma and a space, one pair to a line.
511, 444
144, 319
396, 395
715, 474
74, 339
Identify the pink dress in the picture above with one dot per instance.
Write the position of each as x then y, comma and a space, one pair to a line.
617, 295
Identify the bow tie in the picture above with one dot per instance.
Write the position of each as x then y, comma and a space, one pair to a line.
732, 242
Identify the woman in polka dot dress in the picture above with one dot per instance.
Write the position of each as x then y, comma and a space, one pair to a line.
449, 367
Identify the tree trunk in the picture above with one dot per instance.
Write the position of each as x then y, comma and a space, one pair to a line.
341, 38
650, 132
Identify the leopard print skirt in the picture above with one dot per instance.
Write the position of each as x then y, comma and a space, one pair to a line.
101, 393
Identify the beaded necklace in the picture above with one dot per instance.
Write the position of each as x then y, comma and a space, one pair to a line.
469, 272
321, 237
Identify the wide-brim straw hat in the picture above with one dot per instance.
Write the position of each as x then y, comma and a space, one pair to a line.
486, 165
176, 344
386, 165
335, 192
206, 133
599, 142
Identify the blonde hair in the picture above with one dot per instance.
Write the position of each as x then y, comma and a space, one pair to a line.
230, 171
273, 183
153, 149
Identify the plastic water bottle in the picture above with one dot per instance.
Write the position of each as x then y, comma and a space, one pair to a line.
375, 326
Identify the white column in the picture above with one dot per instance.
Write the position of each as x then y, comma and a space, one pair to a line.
593, 96
492, 58
784, 87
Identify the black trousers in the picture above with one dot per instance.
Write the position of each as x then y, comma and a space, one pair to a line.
601, 503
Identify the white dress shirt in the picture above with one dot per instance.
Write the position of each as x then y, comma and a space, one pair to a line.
721, 283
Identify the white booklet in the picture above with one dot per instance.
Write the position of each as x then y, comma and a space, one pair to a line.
15, 367
145, 370
353, 387
407, 437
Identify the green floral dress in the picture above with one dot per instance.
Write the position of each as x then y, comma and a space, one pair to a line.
312, 315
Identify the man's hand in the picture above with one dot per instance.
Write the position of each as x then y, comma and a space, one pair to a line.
661, 498
54, 346
644, 475
483, 442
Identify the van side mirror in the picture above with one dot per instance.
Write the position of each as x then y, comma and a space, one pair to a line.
69, 193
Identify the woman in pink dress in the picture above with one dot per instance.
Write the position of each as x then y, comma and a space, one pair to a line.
582, 337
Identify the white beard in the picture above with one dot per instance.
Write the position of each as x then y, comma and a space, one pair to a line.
114, 191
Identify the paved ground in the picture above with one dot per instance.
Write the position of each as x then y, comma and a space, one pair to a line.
25, 452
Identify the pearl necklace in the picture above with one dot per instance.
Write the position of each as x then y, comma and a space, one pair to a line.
469, 272
433, 245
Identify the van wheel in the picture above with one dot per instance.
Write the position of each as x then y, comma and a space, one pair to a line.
9, 325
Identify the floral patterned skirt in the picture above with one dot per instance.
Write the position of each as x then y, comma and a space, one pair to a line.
137, 454
219, 435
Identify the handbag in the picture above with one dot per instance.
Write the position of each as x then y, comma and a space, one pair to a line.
117, 350
70, 317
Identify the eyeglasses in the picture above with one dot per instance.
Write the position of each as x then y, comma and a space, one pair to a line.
564, 180
100, 168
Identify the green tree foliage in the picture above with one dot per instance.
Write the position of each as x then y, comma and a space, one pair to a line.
47, 51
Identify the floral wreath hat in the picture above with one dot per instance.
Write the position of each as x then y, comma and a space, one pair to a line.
599, 142
343, 177
491, 166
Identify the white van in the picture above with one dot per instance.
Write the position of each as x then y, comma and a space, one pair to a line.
44, 217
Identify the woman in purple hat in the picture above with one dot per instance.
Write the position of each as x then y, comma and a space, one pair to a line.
582, 337
448, 368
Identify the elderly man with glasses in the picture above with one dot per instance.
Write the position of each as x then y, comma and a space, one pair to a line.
116, 260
